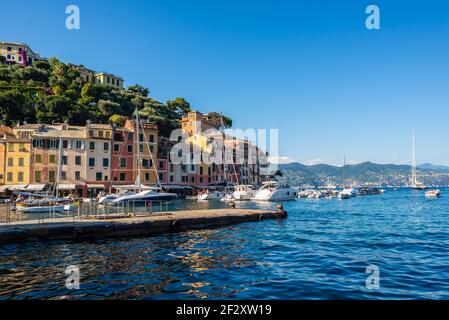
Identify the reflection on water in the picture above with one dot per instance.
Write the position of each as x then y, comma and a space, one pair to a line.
320, 252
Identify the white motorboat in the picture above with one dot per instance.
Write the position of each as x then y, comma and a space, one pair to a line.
347, 193
144, 197
57, 208
108, 198
274, 191
433, 193
243, 192
212, 195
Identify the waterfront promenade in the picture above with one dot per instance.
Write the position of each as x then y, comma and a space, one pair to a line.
115, 225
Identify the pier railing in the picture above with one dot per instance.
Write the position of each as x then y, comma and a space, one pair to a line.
9, 215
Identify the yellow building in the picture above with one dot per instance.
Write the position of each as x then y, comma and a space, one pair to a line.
110, 80
196, 122
20, 53
17, 161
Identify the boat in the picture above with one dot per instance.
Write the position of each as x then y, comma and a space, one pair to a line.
45, 203
366, 191
145, 197
108, 198
243, 192
415, 184
274, 191
433, 193
347, 193
212, 195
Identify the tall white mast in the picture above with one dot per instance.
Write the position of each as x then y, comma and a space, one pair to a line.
414, 178
58, 178
138, 181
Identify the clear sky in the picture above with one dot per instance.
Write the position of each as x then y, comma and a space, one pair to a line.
309, 68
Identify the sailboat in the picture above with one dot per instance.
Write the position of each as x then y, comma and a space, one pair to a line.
34, 203
144, 194
415, 184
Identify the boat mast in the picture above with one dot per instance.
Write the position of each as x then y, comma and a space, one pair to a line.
138, 181
152, 159
414, 178
224, 150
58, 178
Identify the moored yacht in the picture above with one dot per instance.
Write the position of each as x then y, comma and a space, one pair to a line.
143, 197
274, 191
433, 193
243, 192
347, 193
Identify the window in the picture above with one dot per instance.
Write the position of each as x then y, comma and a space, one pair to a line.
161, 176
123, 162
37, 176
106, 146
130, 136
10, 162
105, 162
91, 162
147, 163
171, 167
171, 178
152, 149
201, 179
99, 176
192, 179
192, 167
77, 175
11, 147
21, 162
20, 176
116, 147
63, 175
130, 148
100, 134
9, 176
64, 160
183, 168
107, 134
51, 176
140, 137
21, 147
65, 144
52, 158
8, 48
92, 145
151, 138
147, 176
38, 158
141, 148
78, 144
201, 170
161, 164
122, 176
77, 160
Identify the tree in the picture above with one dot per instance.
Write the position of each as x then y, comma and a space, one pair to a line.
12, 104
108, 108
2, 59
54, 109
217, 117
42, 64
118, 120
139, 90
180, 105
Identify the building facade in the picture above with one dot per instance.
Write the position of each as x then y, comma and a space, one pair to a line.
18, 53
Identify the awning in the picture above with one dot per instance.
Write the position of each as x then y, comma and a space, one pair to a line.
36, 187
95, 186
4, 188
18, 187
175, 187
67, 186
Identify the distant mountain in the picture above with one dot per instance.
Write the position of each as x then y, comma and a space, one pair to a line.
429, 166
366, 173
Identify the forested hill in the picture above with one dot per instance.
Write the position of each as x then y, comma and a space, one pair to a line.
53, 92
366, 173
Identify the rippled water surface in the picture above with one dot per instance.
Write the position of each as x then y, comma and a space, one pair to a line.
320, 252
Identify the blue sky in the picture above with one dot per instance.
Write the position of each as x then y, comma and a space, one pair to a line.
309, 68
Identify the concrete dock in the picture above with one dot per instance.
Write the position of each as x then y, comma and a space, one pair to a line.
120, 226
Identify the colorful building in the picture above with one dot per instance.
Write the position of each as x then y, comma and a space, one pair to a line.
109, 79
122, 157
18, 53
